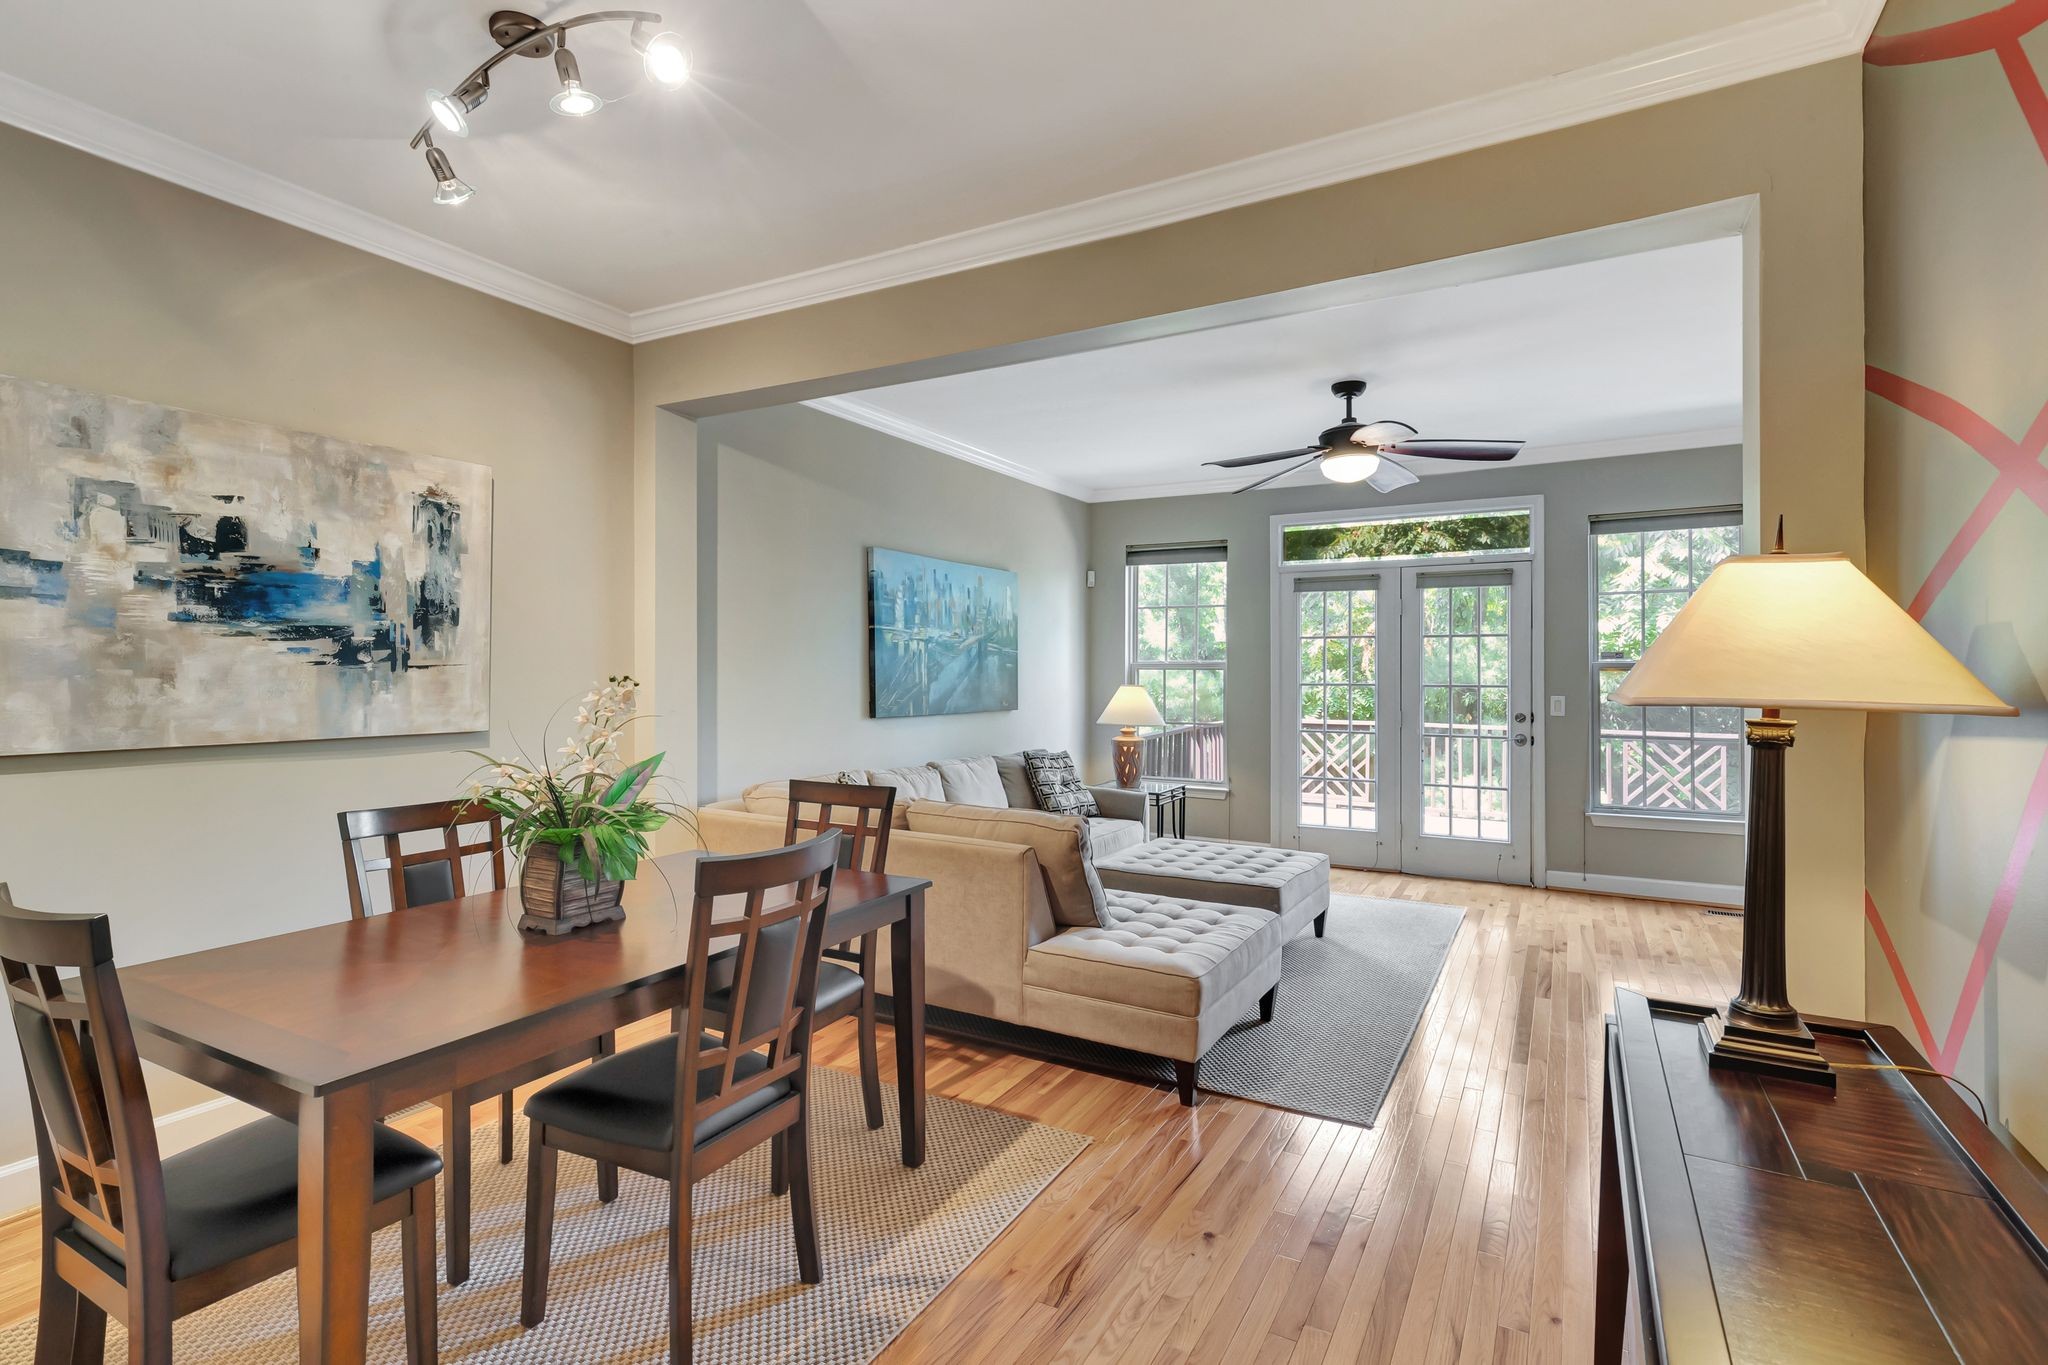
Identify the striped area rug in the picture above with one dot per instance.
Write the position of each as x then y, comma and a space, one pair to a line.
891, 1238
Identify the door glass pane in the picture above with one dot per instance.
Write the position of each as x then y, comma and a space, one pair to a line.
1465, 747
1337, 744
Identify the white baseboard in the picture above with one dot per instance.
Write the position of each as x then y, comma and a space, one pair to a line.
175, 1132
1648, 888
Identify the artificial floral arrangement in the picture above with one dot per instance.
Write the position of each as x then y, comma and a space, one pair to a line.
581, 826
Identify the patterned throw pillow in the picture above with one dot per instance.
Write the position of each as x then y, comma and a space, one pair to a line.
1055, 783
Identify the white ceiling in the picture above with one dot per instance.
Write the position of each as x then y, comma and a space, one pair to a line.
839, 145
1607, 357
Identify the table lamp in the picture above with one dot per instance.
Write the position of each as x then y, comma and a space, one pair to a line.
1804, 631
1130, 707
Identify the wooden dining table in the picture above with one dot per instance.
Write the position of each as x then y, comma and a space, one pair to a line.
335, 1025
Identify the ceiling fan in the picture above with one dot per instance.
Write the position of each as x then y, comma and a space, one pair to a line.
1355, 451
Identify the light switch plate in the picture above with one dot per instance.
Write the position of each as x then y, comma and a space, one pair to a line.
1556, 706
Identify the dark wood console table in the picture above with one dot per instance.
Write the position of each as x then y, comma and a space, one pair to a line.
1765, 1222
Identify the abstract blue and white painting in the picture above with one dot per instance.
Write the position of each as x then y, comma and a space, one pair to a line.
169, 578
943, 636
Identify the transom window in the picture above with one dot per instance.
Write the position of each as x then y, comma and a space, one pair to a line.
1177, 649
1456, 535
1666, 760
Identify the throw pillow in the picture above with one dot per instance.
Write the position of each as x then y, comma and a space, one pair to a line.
1073, 892
972, 781
1056, 785
918, 783
1016, 782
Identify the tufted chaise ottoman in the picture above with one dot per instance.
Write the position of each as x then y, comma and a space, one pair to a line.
1164, 975
1291, 885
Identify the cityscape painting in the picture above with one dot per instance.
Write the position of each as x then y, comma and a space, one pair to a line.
943, 636
169, 578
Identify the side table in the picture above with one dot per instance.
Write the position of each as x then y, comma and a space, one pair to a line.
1166, 804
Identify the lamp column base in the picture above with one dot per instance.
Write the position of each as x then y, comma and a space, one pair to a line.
1785, 1050
1759, 1031
1124, 750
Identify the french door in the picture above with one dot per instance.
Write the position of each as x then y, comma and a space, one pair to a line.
1412, 728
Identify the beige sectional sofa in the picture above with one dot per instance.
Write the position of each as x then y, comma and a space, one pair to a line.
1018, 927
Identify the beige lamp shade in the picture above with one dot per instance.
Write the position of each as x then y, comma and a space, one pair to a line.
1132, 705
1801, 631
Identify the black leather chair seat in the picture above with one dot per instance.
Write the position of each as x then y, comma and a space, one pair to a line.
836, 986
631, 1098
239, 1193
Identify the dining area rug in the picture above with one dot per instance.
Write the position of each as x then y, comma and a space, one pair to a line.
891, 1239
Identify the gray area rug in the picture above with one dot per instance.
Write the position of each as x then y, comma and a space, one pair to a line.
1347, 1010
891, 1240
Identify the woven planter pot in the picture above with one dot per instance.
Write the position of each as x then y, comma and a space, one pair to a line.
555, 898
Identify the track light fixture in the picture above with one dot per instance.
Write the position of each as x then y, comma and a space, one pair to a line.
449, 188
517, 34
572, 100
663, 54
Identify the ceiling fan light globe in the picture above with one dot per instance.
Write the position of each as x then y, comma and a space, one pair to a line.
667, 61
1347, 467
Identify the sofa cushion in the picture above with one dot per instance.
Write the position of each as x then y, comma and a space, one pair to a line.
1107, 837
919, 782
1055, 784
1159, 952
1016, 782
772, 798
1061, 842
972, 781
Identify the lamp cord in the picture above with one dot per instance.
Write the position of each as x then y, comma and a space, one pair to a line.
1983, 1113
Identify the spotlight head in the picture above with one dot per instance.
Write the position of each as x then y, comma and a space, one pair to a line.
449, 188
572, 100
666, 59
449, 115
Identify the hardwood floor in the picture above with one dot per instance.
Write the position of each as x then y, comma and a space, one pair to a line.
1459, 1231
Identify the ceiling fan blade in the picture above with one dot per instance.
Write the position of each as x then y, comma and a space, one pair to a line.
1281, 473
1457, 450
1390, 476
1244, 460
1385, 432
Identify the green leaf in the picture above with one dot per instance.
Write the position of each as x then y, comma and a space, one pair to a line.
632, 780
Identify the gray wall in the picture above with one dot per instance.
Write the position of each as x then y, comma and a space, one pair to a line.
113, 281
1571, 491
790, 499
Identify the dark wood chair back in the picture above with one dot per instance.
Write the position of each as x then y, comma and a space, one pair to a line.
862, 814
426, 876
773, 970
95, 1138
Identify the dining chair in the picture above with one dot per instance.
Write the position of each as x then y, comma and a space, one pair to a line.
847, 976
425, 877
147, 1238
686, 1104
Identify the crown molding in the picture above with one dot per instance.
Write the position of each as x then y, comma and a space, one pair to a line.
1816, 31
889, 424
63, 119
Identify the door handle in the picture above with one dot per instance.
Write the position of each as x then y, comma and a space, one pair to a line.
1522, 740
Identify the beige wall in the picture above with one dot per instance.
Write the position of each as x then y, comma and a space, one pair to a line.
795, 499
1792, 141
113, 281
1956, 807
1572, 492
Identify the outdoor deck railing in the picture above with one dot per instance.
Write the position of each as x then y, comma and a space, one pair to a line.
1192, 753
